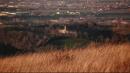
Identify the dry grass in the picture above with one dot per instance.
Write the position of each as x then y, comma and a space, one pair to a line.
105, 58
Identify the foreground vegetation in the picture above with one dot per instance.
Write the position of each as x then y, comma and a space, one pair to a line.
94, 58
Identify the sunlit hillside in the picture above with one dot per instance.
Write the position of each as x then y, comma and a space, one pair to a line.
94, 58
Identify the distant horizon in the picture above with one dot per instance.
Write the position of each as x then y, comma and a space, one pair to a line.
74, 7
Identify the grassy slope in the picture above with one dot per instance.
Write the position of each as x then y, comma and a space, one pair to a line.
102, 58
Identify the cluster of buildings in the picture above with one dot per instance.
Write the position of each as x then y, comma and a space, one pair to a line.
71, 7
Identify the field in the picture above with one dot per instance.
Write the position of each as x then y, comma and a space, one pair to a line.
96, 48
106, 57
83, 47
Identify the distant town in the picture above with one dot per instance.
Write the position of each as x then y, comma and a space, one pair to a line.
48, 19
68, 7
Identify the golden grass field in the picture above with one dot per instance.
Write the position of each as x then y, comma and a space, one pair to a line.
95, 58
